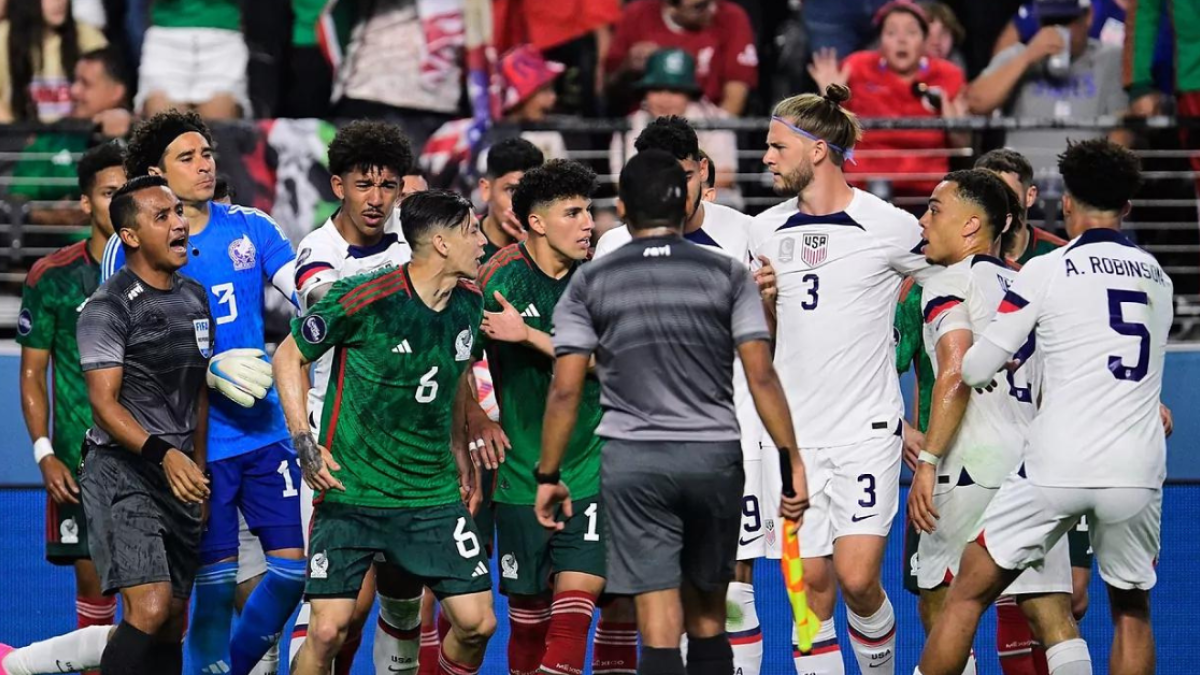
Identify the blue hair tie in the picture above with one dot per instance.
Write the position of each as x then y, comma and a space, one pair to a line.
847, 153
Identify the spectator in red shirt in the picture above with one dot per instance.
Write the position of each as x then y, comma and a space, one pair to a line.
899, 80
716, 33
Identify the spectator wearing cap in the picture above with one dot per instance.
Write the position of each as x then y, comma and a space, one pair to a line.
717, 33
669, 87
1061, 74
899, 80
527, 97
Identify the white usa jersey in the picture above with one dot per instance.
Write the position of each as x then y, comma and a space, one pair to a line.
839, 276
1101, 309
727, 231
991, 435
324, 257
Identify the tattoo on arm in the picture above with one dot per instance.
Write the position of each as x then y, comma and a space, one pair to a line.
308, 452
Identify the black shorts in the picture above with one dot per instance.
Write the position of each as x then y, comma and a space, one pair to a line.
673, 511
139, 532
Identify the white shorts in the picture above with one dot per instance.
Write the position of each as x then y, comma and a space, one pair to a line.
962, 510
755, 512
193, 65
251, 559
1024, 520
852, 489
306, 511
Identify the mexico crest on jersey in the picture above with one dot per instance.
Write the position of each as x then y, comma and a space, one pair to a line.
203, 337
813, 249
241, 253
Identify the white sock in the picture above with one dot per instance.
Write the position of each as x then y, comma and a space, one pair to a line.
970, 667
397, 635
825, 657
1069, 658
299, 632
741, 625
874, 640
683, 648
269, 664
77, 650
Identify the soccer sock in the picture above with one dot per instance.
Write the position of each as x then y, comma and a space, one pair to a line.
207, 642
448, 666
741, 625
1039, 660
269, 663
431, 646
528, 622
397, 635
78, 650
710, 656
970, 669
874, 639
344, 661
443, 627
1069, 658
615, 648
660, 661
100, 611
267, 610
567, 638
825, 657
299, 632
1014, 639
168, 658
129, 652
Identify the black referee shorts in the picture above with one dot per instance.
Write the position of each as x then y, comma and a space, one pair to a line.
672, 512
139, 532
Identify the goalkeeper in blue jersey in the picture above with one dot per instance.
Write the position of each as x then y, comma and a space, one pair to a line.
235, 253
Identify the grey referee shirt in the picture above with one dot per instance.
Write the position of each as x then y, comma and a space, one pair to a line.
163, 340
663, 317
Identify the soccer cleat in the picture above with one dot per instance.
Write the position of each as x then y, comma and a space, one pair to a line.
5, 650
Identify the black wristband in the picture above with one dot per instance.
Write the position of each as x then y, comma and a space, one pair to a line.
546, 478
155, 449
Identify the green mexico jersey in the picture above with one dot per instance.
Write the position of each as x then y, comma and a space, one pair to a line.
390, 398
909, 325
1040, 243
56, 289
521, 376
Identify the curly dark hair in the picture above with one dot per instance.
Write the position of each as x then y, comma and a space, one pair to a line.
1100, 173
370, 144
985, 189
550, 182
512, 154
27, 30
673, 134
149, 140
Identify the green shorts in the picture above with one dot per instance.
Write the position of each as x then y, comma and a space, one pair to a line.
437, 545
530, 555
1080, 543
66, 533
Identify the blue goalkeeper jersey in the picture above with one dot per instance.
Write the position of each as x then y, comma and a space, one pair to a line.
235, 257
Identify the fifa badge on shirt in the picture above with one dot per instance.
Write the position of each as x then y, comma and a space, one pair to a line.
787, 249
68, 532
203, 340
319, 567
242, 252
462, 345
508, 566
813, 249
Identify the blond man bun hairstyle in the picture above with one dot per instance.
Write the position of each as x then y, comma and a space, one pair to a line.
825, 118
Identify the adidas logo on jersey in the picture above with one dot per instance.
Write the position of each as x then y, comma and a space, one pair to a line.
531, 311
402, 348
480, 570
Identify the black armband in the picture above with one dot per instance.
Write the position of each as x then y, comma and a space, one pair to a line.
155, 449
546, 478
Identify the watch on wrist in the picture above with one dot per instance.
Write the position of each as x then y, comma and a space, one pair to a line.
551, 478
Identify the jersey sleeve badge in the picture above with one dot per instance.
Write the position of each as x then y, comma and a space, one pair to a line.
203, 337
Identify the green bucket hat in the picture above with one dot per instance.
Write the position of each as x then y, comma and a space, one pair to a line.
672, 69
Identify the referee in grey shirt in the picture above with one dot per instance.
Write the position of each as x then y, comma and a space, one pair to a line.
663, 318
144, 344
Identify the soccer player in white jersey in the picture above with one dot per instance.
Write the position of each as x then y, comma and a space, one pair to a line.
722, 229
975, 439
1100, 308
368, 161
840, 255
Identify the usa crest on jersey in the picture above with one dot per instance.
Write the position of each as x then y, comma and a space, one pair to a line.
203, 337
814, 248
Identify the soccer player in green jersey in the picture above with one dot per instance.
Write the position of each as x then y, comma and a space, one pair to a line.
552, 580
389, 480
55, 292
507, 161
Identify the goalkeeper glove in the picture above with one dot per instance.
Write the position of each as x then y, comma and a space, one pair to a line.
241, 375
